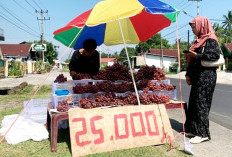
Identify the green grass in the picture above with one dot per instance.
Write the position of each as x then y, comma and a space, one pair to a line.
171, 73
31, 148
25, 94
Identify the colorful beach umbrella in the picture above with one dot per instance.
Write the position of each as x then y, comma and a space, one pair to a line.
114, 22
140, 20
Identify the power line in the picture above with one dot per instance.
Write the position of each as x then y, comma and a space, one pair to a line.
180, 3
37, 4
186, 6
216, 20
180, 37
183, 5
18, 26
30, 5
24, 8
43, 5
16, 17
175, 30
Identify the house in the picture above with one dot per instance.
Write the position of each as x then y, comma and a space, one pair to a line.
227, 52
15, 51
154, 57
108, 61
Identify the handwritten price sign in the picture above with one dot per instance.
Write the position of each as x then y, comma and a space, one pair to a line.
102, 130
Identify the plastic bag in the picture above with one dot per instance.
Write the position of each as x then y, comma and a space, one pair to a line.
22, 130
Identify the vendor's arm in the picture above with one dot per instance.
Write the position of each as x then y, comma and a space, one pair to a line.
96, 66
73, 64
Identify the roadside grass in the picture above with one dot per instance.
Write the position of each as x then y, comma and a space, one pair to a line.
171, 73
25, 94
31, 148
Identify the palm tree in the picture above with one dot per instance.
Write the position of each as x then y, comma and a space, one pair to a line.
220, 32
227, 23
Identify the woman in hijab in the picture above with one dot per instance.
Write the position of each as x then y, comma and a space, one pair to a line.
202, 79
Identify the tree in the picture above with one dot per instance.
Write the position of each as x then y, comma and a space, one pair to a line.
227, 23
142, 47
220, 32
51, 53
152, 43
104, 55
110, 55
183, 45
131, 52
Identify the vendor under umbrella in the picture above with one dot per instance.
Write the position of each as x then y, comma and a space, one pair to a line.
85, 60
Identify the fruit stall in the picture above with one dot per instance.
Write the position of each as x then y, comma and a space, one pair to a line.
110, 88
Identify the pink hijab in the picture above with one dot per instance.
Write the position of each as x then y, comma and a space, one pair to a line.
205, 31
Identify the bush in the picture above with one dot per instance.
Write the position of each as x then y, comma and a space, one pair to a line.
41, 67
229, 66
14, 68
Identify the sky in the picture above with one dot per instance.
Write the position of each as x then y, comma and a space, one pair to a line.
18, 19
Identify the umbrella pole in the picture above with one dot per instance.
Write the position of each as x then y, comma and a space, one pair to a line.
128, 59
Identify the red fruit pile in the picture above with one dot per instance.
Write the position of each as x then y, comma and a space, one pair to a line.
63, 106
114, 73
80, 76
150, 73
111, 100
60, 78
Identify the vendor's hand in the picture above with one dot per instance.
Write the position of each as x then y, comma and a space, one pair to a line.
192, 54
188, 80
72, 73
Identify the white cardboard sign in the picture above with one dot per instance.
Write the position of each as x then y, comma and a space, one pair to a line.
102, 130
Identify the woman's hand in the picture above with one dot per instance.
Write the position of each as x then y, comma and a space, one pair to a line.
192, 54
188, 80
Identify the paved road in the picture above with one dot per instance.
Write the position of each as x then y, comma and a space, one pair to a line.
221, 106
34, 79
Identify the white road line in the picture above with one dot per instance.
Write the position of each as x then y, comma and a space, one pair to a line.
221, 115
223, 90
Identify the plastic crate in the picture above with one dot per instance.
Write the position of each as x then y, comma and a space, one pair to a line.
62, 86
72, 97
36, 110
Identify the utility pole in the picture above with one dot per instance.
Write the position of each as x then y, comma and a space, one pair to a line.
197, 6
42, 18
188, 40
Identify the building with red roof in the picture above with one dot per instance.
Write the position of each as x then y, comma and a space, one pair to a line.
227, 49
14, 51
227, 52
108, 61
154, 57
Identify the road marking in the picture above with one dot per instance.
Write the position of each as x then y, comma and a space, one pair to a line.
221, 115
223, 90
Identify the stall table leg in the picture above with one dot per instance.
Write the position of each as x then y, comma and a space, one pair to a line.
55, 118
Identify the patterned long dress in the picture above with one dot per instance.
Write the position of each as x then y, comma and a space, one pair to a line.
203, 81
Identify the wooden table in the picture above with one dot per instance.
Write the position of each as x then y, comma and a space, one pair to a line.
54, 117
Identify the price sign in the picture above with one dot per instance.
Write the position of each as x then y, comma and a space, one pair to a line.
102, 130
